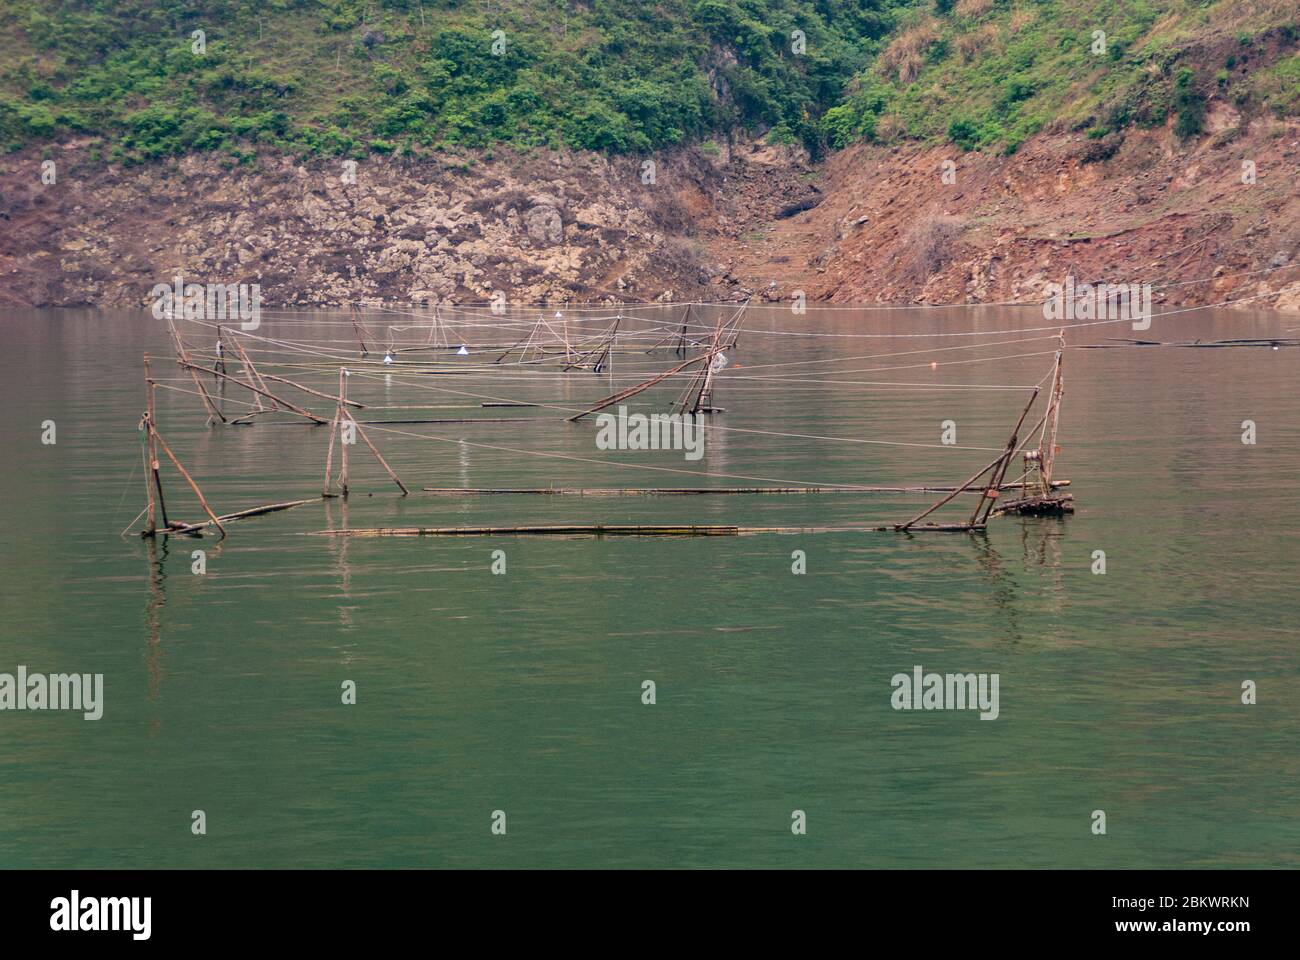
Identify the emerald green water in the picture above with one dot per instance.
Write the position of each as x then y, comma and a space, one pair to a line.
522, 692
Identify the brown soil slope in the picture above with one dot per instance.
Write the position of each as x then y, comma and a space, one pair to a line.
892, 230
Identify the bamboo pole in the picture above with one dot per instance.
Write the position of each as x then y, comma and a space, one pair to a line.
352, 314
343, 444
190, 480
995, 479
151, 523
951, 496
1047, 451
151, 461
511, 348
220, 363
990, 492
644, 385
329, 456
242, 514
567, 530
293, 408
315, 393
254, 376
153, 450
705, 491
382, 462
183, 358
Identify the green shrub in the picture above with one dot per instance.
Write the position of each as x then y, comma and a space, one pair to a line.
1188, 105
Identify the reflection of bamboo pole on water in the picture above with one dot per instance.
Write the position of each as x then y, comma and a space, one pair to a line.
341, 557
157, 598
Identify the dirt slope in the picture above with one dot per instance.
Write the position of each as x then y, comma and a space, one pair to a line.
890, 229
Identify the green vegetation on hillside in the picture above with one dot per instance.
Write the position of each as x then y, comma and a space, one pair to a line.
344, 77
991, 73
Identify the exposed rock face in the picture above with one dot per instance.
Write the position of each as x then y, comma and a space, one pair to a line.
546, 226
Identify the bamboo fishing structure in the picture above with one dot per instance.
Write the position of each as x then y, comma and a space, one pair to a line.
632, 391
698, 395
338, 428
1044, 501
155, 440
183, 358
557, 350
291, 407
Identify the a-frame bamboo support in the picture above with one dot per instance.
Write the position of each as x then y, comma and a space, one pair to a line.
698, 395
153, 479
338, 428
996, 471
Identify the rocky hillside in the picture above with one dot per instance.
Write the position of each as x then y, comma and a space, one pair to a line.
880, 150
871, 224
545, 225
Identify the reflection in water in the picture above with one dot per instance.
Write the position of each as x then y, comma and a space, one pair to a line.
1002, 586
1040, 541
157, 552
338, 546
